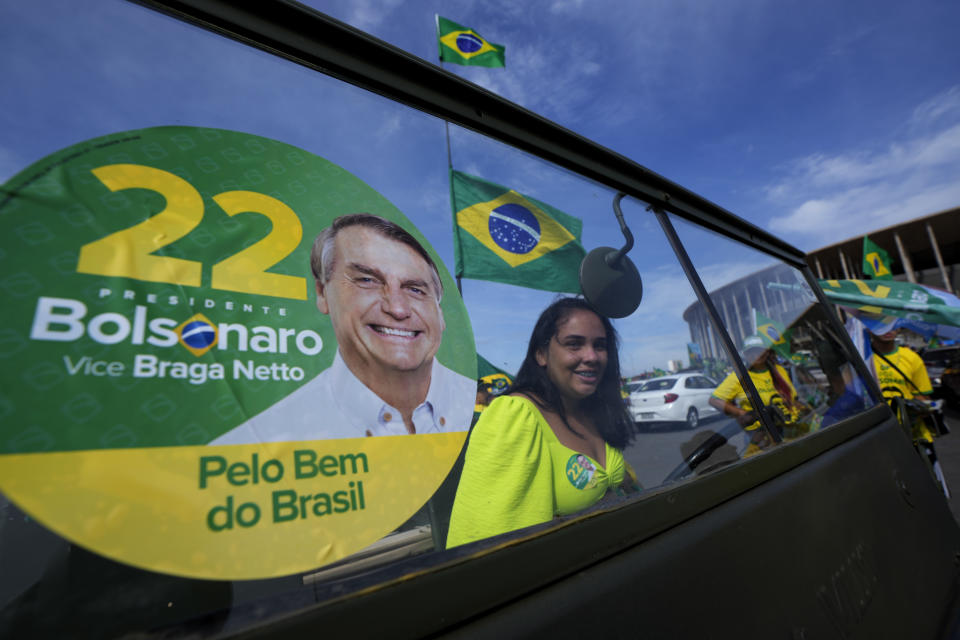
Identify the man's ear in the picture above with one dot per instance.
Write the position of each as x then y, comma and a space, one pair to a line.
322, 298
541, 358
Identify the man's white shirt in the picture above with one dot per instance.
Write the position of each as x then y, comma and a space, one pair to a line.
336, 404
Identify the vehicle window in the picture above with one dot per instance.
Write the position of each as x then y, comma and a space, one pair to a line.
155, 368
659, 385
784, 337
671, 420
196, 256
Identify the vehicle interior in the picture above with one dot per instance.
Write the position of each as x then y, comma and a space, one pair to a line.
829, 526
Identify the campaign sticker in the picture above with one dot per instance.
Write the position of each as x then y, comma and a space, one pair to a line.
202, 331
580, 471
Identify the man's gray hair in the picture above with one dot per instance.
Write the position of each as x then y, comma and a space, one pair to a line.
321, 256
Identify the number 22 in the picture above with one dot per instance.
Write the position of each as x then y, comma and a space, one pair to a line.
128, 253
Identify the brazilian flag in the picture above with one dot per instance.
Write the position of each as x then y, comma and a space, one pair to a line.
876, 261
773, 334
498, 379
504, 236
463, 45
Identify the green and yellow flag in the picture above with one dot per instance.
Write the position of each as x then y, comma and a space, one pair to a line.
498, 379
463, 45
876, 261
773, 334
504, 236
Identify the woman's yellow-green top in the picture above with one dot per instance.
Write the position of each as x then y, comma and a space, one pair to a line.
517, 473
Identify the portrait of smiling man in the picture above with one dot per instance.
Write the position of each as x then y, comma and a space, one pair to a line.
382, 292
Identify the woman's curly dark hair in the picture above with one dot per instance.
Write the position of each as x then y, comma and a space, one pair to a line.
605, 407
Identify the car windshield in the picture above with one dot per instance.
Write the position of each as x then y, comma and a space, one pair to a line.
659, 385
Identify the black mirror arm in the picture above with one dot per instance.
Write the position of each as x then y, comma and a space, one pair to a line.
613, 259
608, 278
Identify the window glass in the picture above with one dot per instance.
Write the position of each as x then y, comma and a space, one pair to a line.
660, 363
195, 435
784, 337
180, 355
136, 493
660, 384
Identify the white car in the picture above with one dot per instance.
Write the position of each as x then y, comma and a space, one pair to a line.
681, 397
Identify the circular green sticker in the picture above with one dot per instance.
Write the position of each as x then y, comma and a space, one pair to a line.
195, 383
580, 470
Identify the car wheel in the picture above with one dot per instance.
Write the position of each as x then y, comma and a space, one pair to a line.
693, 418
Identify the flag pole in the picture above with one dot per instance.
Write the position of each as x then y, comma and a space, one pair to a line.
446, 123
446, 130
446, 126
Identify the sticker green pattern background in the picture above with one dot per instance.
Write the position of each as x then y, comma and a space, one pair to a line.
59, 395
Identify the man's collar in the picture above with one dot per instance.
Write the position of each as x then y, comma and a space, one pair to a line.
346, 387
889, 353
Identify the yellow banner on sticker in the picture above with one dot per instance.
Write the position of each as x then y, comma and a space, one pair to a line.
232, 512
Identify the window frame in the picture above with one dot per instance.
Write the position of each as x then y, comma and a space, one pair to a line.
467, 581
307, 37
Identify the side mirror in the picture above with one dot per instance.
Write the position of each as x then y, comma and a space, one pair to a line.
609, 279
611, 282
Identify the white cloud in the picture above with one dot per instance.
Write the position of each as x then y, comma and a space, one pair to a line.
830, 197
566, 6
390, 125
719, 274
861, 167
856, 210
367, 14
945, 104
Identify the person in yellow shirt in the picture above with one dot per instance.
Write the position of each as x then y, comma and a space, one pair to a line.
772, 383
901, 373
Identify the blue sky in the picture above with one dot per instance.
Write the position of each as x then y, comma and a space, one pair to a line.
815, 120
818, 121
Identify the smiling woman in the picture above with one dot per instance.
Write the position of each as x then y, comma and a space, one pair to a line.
551, 447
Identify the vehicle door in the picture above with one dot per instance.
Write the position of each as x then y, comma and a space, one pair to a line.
173, 173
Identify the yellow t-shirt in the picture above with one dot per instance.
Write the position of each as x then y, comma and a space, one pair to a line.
517, 473
893, 385
730, 390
